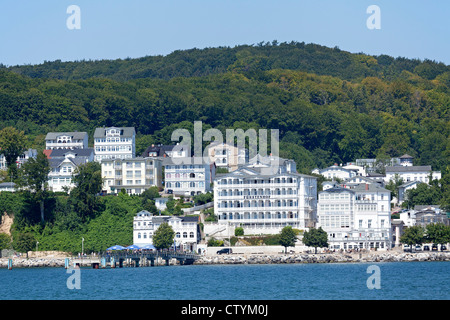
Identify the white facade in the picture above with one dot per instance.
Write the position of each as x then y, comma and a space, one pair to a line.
265, 203
66, 140
114, 143
135, 175
411, 173
187, 177
63, 163
227, 156
336, 172
30, 153
186, 229
356, 217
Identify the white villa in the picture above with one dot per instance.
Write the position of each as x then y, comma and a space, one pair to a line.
336, 172
30, 153
263, 199
411, 173
63, 164
357, 216
114, 143
135, 175
186, 229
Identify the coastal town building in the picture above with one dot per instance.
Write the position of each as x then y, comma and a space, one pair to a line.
336, 172
186, 229
134, 175
63, 163
357, 216
263, 198
66, 140
171, 151
114, 143
30, 153
227, 156
187, 176
411, 173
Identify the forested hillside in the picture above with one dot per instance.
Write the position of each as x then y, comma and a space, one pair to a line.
329, 105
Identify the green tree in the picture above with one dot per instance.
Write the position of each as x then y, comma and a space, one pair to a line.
437, 233
163, 236
88, 184
413, 236
5, 241
12, 144
316, 238
287, 237
24, 242
239, 231
34, 177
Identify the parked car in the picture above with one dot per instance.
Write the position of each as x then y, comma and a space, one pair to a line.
406, 247
418, 248
225, 251
443, 248
434, 247
426, 248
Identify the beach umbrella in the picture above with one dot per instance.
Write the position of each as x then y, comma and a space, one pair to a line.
149, 247
133, 247
116, 247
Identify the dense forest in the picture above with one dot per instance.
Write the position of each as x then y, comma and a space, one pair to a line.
330, 106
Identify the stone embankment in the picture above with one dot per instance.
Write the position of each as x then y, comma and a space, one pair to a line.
390, 256
324, 258
33, 262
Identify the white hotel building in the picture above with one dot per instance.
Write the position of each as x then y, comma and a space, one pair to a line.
263, 198
114, 143
357, 216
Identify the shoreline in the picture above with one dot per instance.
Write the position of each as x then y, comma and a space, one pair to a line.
290, 258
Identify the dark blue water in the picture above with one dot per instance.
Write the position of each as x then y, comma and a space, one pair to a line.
401, 281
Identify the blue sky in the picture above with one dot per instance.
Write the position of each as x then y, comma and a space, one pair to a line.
34, 31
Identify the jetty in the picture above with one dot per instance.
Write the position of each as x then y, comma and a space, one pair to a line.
132, 259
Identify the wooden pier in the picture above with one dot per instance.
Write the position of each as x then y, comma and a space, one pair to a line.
135, 259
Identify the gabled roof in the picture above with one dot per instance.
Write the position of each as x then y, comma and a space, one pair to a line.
87, 152
408, 169
75, 135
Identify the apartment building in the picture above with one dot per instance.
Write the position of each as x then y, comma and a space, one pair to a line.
134, 175
227, 156
187, 177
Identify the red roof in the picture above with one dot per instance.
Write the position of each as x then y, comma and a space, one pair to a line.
48, 153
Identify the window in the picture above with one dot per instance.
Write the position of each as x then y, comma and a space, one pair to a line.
191, 235
184, 234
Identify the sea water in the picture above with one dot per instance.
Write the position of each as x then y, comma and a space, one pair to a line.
339, 281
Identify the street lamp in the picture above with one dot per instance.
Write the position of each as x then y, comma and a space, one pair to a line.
37, 242
82, 246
